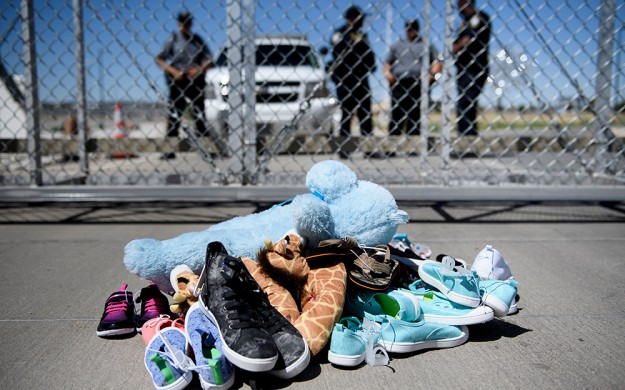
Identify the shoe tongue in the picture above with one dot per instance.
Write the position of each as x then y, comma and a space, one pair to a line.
409, 307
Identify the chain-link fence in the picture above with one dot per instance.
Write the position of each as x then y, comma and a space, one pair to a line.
487, 95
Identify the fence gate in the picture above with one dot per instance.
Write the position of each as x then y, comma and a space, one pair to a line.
84, 105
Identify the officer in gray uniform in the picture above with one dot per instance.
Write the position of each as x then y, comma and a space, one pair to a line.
189, 59
402, 70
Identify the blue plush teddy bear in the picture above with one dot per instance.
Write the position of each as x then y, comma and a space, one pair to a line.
339, 205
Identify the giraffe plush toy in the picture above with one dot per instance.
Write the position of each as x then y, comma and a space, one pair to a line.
338, 205
309, 296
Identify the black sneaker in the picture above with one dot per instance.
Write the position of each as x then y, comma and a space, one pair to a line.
294, 354
246, 343
118, 316
153, 304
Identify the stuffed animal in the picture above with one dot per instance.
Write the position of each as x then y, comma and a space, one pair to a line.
311, 297
338, 205
184, 282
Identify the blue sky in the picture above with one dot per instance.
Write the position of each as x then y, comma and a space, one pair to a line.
122, 37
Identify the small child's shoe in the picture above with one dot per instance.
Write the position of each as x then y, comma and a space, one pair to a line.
166, 360
149, 329
215, 371
118, 316
153, 304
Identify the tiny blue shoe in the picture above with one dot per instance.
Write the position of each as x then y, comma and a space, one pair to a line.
166, 360
215, 371
456, 283
403, 307
435, 307
398, 320
399, 336
351, 344
499, 295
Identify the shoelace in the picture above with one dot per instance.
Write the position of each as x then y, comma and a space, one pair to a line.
114, 304
240, 313
153, 303
375, 353
178, 359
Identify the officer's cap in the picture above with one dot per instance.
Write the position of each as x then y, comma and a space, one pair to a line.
184, 17
353, 12
412, 24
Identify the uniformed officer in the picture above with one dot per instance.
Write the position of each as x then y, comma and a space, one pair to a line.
353, 61
471, 50
402, 70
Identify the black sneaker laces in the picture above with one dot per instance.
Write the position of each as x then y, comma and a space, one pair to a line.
240, 312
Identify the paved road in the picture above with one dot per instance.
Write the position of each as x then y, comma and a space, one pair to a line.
61, 263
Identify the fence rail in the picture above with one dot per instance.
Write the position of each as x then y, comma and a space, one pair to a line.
84, 109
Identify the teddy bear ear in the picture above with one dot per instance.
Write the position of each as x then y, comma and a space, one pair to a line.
329, 180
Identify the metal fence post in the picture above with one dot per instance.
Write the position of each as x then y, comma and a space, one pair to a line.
425, 80
32, 95
81, 100
603, 84
248, 108
235, 95
447, 84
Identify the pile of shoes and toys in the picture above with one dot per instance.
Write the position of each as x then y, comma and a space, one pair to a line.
273, 313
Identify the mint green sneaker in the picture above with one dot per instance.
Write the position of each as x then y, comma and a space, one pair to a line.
435, 307
399, 321
456, 283
350, 345
499, 295
399, 336
405, 308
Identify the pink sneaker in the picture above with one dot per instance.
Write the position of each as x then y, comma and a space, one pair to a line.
153, 304
149, 329
118, 316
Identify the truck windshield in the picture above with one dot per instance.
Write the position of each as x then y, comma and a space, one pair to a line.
278, 55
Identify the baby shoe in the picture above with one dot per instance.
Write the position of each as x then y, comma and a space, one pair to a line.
149, 329
215, 371
499, 295
350, 345
402, 330
153, 304
437, 308
456, 283
490, 264
118, 316
166, 359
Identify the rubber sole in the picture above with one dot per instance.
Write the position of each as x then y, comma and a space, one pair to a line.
477, 316
405, 347
345, 360
295, 368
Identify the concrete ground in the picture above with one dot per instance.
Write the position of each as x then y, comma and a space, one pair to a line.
61, 263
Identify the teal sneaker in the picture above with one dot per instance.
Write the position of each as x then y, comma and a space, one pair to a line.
435, 307
456, 283
499, 295
398, 320
403, 307
350, 345
401, 336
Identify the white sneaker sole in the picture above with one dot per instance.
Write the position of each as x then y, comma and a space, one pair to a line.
295, 368
345, 360
497, 305
479, 315
405, 347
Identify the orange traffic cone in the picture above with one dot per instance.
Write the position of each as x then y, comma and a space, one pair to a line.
120, 130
